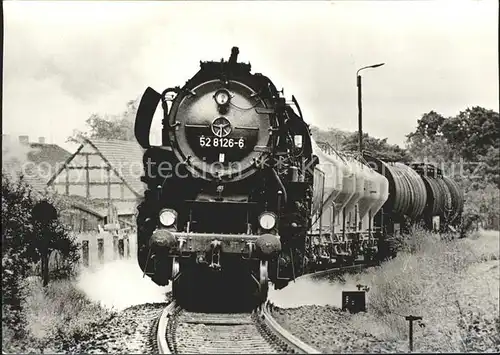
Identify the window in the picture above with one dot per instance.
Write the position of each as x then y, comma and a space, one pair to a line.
85, 225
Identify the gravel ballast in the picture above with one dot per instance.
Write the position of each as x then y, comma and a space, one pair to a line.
329, 330
128, 332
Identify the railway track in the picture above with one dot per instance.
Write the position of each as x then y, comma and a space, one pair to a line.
180, 331
350, 269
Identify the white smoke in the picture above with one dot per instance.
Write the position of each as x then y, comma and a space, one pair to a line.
14, 151
120, 284
15, 157
306, 291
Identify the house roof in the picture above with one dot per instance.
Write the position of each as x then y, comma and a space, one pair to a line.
13, 170
126, 207
125, 157
26, 159
97, 208
49, 153
122, 207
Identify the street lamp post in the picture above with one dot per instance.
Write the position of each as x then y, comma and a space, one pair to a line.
360, 110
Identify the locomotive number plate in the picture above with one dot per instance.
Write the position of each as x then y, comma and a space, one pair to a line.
216, 142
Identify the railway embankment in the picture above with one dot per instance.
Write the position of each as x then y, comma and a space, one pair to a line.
107, 310
453, 285
130, 331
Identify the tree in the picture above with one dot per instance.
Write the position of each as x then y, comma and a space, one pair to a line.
429, 126
333, 136
377, 147
473, 135
348, 141
473, 132
428, 143
21, 233
470, 141
22, 245
119, 126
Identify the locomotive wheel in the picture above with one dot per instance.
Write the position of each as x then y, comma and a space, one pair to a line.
175, 268
178, 291
263, 281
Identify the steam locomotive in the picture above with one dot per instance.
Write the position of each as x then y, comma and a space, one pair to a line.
239, 190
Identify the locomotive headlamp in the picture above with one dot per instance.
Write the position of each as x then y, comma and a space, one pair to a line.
297, 140
168, 217
267, 220
222, 97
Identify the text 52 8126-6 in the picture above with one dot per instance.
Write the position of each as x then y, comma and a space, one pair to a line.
222, 142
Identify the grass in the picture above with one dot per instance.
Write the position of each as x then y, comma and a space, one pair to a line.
56, 318
453, 285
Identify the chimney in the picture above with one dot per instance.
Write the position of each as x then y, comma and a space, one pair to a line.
24, 139
41, 140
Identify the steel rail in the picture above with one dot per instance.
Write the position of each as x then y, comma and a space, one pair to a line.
265, 316
291, 340
161, 333
356, 267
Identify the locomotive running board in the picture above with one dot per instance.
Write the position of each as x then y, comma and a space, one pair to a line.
144, 116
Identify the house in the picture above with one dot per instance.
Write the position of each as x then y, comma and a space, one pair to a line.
97, 187
106, 172
83, 215
37, 162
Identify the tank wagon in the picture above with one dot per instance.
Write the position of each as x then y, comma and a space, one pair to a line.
238, 191
360, 203
418, 194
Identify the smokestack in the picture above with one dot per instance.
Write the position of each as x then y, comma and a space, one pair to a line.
24, 139
234, 55
41, 140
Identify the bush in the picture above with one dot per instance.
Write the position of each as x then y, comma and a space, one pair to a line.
16, 202
13, 271
483, 200
56, 317
23, 242
443, 281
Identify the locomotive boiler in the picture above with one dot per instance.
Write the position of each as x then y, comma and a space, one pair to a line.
239, 191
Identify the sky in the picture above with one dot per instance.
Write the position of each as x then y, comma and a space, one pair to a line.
64, 61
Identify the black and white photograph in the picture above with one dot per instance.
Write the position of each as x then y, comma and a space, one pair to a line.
250, 177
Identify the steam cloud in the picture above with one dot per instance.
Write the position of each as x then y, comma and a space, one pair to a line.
14, 155
307, 291
119, 285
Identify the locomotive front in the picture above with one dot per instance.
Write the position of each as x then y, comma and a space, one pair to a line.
221, 128
224, 202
